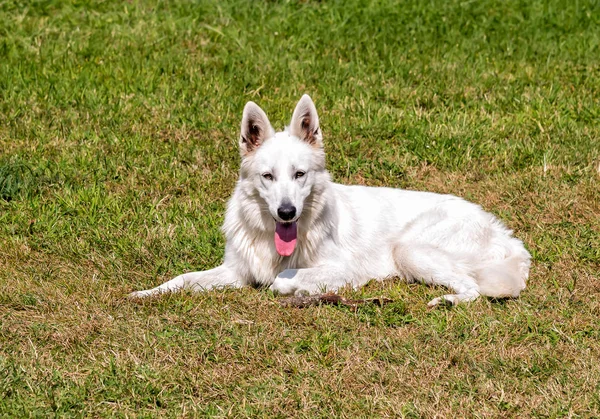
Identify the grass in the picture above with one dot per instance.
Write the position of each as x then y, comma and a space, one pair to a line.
118, 151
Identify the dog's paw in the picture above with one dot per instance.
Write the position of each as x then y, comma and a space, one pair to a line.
284, 286
136, 295
292, 282
445, 300
449, 300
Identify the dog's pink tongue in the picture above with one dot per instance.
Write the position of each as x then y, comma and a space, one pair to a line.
285, 238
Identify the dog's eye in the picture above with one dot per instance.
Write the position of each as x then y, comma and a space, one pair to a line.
299, 174
267, 176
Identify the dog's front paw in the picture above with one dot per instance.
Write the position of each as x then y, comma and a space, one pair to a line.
293, 282
289, 282
284, 286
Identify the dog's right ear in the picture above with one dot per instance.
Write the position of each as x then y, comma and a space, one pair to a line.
256, 128
305, 122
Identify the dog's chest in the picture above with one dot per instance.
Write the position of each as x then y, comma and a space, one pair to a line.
264, 263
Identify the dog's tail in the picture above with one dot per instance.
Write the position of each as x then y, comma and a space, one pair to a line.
503, 278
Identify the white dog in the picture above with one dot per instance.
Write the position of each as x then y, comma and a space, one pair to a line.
288, 227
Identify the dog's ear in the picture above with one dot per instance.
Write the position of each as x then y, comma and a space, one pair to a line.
256, 128
305, 122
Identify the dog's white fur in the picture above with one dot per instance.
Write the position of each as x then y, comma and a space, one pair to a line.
348, 235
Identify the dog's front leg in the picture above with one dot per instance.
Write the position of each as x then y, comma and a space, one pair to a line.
309, 281
219, 277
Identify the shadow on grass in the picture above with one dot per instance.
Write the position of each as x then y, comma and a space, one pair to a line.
16, 179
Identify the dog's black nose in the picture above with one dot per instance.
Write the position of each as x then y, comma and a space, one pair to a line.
286, 211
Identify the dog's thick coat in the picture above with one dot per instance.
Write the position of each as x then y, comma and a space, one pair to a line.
288, 227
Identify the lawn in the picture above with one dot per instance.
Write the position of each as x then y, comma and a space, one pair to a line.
118, 151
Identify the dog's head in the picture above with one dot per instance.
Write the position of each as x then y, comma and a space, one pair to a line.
285, 168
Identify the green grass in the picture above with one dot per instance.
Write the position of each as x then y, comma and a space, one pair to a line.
118, 151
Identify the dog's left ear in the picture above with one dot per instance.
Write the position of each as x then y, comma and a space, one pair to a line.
305, 122
256, 128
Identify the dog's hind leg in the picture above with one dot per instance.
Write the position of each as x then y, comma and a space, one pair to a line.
218, 277
434, 266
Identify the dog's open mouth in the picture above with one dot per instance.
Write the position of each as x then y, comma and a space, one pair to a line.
286, 235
